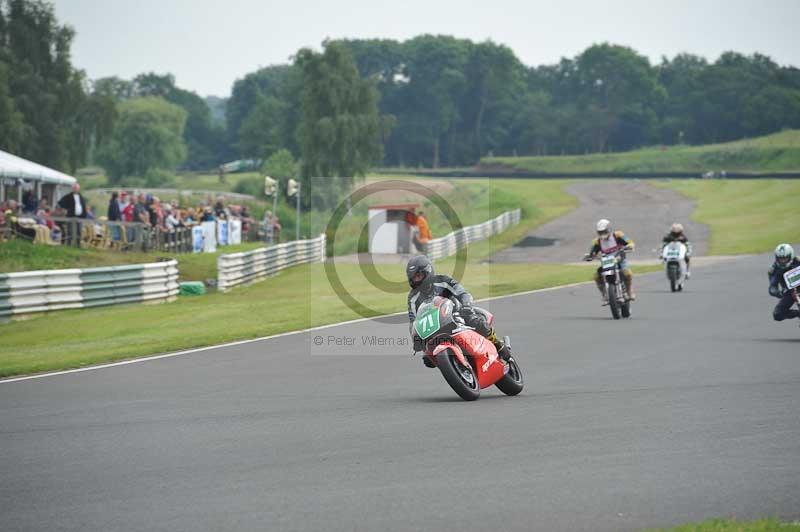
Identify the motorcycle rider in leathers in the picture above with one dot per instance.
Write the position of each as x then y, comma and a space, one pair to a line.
425, 284
676, 234
608, 241
785, 260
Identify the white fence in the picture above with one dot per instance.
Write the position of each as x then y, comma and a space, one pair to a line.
45, 290
234, 269
447, 245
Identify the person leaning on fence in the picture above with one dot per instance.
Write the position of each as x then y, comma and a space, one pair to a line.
423, 234
114, 214
74, 204
208, 215
171, 221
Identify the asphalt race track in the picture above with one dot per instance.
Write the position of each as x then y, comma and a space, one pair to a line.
689, 410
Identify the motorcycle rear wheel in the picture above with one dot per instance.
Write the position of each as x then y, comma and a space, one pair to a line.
512, 382
462, 379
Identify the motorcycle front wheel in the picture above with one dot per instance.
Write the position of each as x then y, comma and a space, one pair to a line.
673, 278
462, 379
512, 382
612, 301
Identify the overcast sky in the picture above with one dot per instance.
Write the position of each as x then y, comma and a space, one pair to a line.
208, 44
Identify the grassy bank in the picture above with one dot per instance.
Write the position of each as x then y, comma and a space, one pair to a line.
745, 216
732, 525
777, 152
95, 178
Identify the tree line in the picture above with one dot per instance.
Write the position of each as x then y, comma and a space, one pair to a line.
427, 101
452, 101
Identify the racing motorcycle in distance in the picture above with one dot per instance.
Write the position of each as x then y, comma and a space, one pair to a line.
468, 361
674, 257
611, 274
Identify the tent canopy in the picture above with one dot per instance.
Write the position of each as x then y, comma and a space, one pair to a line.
15, 167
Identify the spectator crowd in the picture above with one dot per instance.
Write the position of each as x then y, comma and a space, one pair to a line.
33, 219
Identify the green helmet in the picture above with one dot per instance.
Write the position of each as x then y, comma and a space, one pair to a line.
784, 254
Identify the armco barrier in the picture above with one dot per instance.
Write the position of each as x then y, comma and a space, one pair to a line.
447, 245
234, 269
46, 290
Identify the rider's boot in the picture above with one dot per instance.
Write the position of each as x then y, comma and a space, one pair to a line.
502, 349
602, 288
688, 273
629, 285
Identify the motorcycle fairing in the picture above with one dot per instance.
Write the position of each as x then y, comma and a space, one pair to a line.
488, 366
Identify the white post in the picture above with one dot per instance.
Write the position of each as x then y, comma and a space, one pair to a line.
297, 222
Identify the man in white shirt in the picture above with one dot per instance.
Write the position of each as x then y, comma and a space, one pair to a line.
74, 203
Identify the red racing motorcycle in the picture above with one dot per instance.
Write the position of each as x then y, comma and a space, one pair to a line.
468, 361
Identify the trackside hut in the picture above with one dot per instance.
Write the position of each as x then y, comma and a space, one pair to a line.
18, 174
390, 228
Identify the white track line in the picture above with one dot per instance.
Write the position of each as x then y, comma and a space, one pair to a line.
242, 342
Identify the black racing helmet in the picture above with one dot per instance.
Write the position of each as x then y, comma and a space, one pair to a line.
419, 270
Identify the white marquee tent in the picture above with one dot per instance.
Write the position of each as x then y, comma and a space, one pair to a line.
18, 174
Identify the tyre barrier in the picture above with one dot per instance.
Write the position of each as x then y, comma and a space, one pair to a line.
234, 269
47, 290
439, 248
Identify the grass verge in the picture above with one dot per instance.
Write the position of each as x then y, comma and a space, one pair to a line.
744, 216
732, 525
777, 152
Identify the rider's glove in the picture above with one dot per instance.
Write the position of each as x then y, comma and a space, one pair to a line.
776, 290
419, 345
466, 312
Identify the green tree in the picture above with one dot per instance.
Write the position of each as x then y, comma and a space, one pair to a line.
619, 91
48, 92
495, 93
205, 141
12, 126
264, 110
341, 128
115, 88
280, 165
148, 136
435, 70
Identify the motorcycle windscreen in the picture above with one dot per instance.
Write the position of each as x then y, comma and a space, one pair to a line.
488, 366
792, 278
674, 251
608, 262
